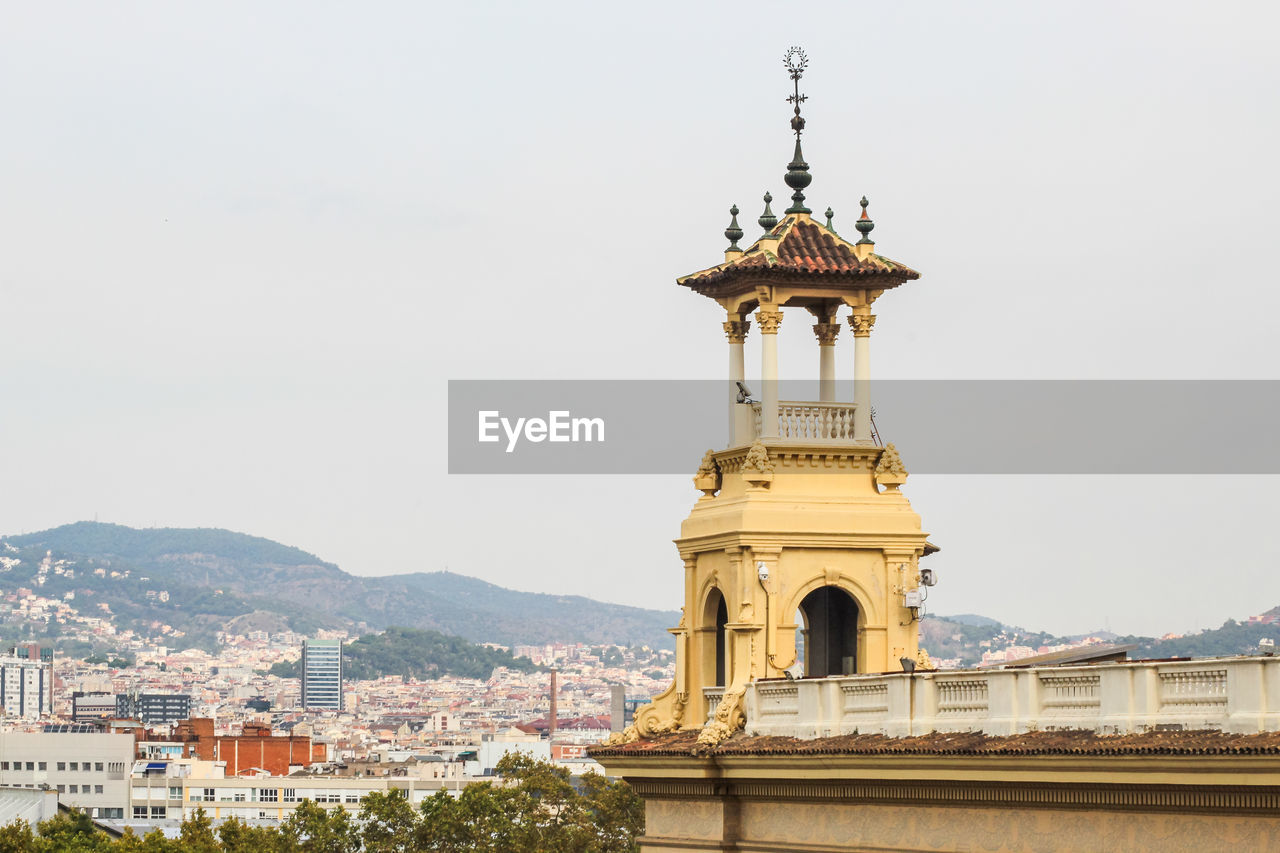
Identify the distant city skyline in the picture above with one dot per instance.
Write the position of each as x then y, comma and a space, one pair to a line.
247, 246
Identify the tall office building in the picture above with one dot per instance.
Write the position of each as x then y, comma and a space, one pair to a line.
322, 674
26, 682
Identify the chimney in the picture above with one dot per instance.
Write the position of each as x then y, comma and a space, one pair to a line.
551, 729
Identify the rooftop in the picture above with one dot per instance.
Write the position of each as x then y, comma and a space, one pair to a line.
800, 249
1076, 742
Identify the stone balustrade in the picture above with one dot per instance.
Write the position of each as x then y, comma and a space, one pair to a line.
1240, 694
812, 421
712, 696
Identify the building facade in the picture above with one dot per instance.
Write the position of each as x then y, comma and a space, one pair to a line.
92, 707
322, 674
88, 770
26, 682
152, 709
266, 799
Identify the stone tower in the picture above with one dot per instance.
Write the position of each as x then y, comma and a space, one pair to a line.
801, 557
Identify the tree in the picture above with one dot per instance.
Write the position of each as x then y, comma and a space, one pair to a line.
72, 832
17, 837
387, 823
314, 829
535, 809
196, 835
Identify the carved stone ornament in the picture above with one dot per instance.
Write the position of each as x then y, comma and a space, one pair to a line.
757, 469
826, 333
736, 330
649, 720
769, 321
707, 479
861, 324
923, 661
890, 472
729, 718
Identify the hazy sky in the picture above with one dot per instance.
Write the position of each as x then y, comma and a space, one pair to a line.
245, 245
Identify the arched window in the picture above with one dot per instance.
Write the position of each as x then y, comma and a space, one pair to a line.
718, 615
829, 633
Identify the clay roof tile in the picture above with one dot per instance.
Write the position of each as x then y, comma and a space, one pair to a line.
967, 743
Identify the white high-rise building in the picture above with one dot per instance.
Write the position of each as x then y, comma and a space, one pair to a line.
26, 683
322, 674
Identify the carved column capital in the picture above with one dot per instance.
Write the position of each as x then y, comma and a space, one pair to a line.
861, 324
769, 321
736, 330
826, 333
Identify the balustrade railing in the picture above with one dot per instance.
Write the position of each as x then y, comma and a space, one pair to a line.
712, 696
1228, 694
811, 421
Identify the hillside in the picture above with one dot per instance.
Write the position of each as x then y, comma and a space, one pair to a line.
964, 637
210, 577
412, 653
193, 583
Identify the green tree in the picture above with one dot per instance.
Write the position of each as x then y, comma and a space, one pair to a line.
313, 829
388, 824
196, 834
17, 837
71, 832
483, 819
616, 814
238, 837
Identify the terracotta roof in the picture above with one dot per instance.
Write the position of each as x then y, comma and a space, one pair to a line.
966, 743
805, 248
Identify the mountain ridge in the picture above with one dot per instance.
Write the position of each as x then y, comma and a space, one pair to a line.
235, 574
212, 578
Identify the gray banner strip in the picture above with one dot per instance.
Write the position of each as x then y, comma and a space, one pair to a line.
940, 427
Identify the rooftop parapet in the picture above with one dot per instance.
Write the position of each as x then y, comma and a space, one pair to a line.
1237, 695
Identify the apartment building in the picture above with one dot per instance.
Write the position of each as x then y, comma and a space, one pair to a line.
176, 792
322, 674
26, 682
88, 770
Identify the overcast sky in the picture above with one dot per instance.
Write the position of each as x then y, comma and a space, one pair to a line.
245, 245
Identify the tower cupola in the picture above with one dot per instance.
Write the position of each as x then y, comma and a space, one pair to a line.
800, 555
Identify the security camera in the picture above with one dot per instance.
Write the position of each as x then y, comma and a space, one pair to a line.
763, 571
928, 577
744, 393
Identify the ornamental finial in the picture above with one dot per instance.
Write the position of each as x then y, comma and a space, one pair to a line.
830, 215
864, 225
767, 220
797, 176
796, 62
733, 233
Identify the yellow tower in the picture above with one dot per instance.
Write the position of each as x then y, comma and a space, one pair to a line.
801, 531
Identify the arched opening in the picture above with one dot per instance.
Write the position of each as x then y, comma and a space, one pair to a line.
722, 619
828, 633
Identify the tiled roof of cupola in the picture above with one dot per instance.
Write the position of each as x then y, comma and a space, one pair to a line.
798, 247
799, 251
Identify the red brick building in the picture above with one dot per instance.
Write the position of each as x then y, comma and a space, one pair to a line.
256, 748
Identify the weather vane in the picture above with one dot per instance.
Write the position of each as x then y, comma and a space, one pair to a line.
796, 61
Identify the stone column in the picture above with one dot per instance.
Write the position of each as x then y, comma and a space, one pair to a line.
769, 321
735, 329
826, 333
861, 325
